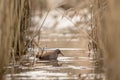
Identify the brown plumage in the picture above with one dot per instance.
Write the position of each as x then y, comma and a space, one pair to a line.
50, 55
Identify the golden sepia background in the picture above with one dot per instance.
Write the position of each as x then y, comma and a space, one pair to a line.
15, 24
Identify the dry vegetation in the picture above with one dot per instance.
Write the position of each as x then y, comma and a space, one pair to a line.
104, 22
107, 21
14, 22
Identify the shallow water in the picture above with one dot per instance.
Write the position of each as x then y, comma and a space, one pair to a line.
68, 67
51, 49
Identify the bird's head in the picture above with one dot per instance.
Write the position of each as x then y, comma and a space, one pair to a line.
59, 52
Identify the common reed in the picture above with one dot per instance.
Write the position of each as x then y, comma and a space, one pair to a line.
107, 21
14, 22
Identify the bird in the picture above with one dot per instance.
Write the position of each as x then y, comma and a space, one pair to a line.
50, 55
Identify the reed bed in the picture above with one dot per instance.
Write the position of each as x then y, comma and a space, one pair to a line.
14, 22
103, 37
107, 19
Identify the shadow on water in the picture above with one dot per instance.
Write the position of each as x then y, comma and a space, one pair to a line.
66, 67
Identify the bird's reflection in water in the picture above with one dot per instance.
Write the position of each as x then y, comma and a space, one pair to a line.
54, 63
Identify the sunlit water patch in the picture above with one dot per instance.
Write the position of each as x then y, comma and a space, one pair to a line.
51, 49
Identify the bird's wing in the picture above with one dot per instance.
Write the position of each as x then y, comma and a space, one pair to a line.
45, 56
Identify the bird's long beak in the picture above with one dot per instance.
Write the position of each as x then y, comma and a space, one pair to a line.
61, 54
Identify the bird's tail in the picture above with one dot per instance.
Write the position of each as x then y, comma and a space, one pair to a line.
38, 56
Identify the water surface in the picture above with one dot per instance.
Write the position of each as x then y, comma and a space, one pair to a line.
68, 67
